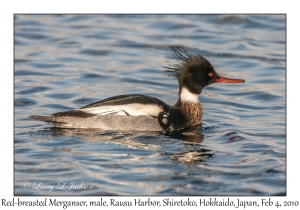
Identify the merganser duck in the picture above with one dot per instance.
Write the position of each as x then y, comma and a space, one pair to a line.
145, 113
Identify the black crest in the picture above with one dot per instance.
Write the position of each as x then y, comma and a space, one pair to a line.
184, 59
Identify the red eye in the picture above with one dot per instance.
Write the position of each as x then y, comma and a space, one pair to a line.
210, 74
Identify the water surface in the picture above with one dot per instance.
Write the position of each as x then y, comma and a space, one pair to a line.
68, 61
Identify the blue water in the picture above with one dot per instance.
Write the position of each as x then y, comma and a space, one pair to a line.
64, 62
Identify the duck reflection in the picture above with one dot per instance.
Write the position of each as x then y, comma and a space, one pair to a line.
192, 157
189, 135
183, 147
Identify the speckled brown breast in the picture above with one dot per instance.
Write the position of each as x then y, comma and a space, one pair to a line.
193, 112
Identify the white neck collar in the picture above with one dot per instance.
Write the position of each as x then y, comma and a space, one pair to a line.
187, 96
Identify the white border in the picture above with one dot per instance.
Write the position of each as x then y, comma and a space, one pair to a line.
8, 8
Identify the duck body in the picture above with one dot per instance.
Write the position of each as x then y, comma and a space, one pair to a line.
128, 112
145, 113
